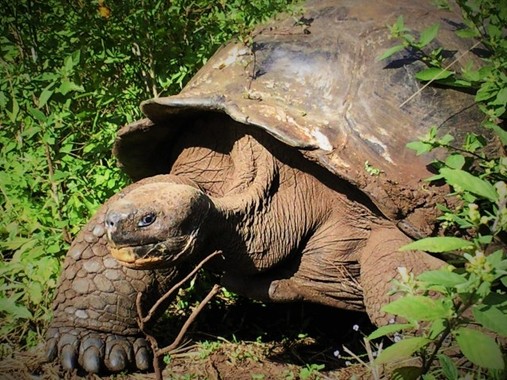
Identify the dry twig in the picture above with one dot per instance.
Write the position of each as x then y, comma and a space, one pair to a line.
158, 353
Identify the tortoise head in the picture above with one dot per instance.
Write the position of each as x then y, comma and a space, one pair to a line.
156, 224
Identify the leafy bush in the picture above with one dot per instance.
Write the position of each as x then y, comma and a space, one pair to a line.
71, 73
461, 309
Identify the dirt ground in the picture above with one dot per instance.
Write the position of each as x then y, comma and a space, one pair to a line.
246, 340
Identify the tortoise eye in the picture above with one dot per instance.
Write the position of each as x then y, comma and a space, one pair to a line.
146, 220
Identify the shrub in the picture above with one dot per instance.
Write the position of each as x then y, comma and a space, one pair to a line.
71, 73
446, 306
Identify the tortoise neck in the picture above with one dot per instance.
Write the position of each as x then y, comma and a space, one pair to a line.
255, 180
256, 174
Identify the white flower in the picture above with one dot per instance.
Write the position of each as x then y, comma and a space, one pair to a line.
336, 354
355, 328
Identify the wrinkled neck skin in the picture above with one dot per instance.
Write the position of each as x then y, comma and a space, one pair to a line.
265, 210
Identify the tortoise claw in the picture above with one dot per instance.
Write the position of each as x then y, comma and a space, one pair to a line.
91, 353
96, 352
51, 349
119, 353
67, 346
69, 359
142, 354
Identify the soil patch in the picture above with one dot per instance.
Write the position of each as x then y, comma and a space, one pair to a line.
243, 340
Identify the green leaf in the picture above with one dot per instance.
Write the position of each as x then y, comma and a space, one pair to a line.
455, 161
406, 373
15, 110
37, 114
10, 307
68, 86
487, 91
500, 132
417, 308
501, 97
389, 329
448, 367
389, 52
420, 147
433, 73
467, 33
438, 244
492, 318
401, 350
442, 277
479, 348
45, 95
428, 35
437, 327
469, 182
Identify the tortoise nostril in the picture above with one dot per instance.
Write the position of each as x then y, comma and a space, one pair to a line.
113, 217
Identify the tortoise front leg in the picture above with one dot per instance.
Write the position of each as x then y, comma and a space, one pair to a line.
95, 317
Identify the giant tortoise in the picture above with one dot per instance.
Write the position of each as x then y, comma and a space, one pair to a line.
263, 156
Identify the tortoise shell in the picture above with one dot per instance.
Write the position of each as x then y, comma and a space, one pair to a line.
314, 82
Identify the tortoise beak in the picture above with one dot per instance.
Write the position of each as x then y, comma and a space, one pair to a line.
154, 255
125, 255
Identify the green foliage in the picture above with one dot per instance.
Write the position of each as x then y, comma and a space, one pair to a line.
311, 371
71, 73
460, 309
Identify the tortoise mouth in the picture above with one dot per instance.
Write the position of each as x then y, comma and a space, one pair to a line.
155, 255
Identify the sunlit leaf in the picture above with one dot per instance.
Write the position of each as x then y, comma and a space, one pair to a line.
68, 86
433, 73
10, 307
455, 161
389, 329
420, 147
438, 244
492, 318
469, 182
428, 35
448, 367
45, 96
391, 51
442, 277
401, 350
417, 308
479, 348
